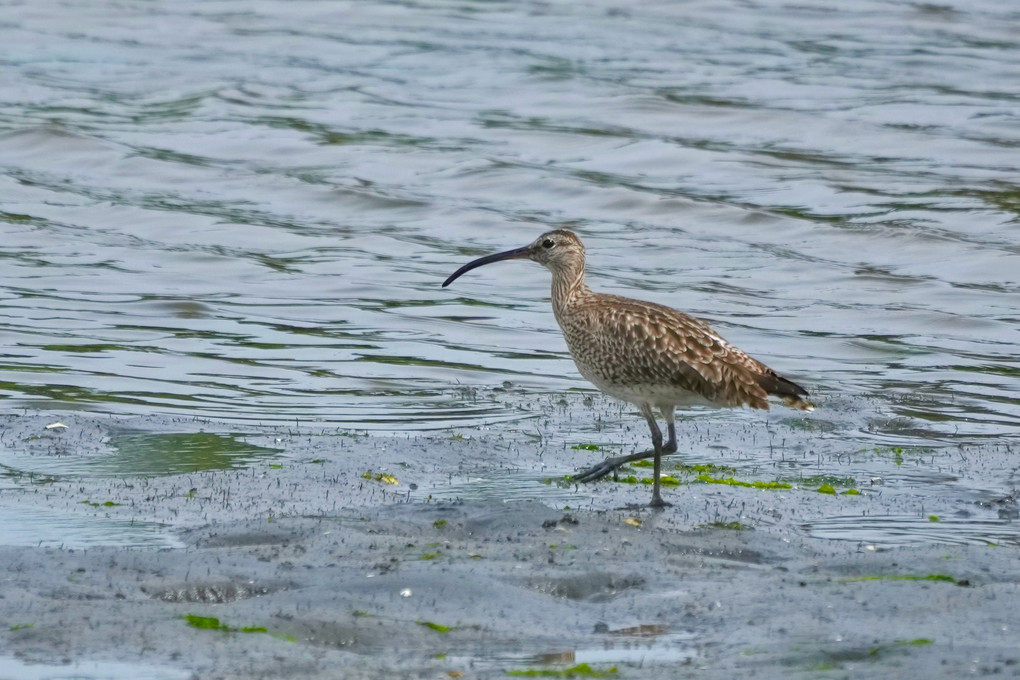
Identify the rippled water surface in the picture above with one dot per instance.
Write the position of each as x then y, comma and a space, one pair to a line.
243, 210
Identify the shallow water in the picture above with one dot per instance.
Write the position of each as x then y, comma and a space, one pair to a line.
88, 670
33, 526
243, 211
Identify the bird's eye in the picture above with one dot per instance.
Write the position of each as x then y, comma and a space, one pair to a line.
548, 243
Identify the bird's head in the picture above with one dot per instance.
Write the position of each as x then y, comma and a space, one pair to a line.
557, 250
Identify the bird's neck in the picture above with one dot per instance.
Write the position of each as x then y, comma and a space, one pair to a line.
568, 287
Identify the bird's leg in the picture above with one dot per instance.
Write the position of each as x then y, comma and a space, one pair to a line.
670, 446
657, 501
613, 464
667, 413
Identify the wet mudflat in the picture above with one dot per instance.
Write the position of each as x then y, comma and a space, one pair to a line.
222, 236
340, 554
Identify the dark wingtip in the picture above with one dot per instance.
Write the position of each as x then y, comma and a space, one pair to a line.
799, 403
792, 394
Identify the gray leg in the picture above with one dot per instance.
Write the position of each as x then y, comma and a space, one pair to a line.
646, 411
613, 464
667, 413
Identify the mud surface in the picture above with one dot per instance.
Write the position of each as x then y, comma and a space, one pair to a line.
324, 554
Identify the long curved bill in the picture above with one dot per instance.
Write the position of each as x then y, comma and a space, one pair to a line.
515, 254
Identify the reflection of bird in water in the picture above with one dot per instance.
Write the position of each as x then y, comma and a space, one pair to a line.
650, 355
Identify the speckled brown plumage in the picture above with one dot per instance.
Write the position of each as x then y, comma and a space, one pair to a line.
645, 353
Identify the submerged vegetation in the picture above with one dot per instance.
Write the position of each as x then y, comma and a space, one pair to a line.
664, 480
905, 577
710, 473
581, 670
706, 468
104, 504
733, 526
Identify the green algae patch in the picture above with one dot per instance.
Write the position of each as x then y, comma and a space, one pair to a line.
902, 577
22, 626
351, 433
706, 469
883, 649
105, 504
16, 217
144, 453
581, 670
934, 518
213, 623
690, 469
585, 447
439, 523
206, 623
827, 484
899, 454
732, 526
664, 480
819, 480
730, 481
432, 625
380, 477
431, 556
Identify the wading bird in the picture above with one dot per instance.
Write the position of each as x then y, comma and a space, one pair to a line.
647, 354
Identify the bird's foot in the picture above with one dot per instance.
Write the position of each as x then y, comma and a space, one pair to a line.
610, 465
636, 507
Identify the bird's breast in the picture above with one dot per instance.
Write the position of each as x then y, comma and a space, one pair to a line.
617, 365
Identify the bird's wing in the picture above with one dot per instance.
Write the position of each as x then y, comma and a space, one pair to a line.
652, 344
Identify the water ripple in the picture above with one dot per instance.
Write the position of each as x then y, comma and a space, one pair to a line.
246, 214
